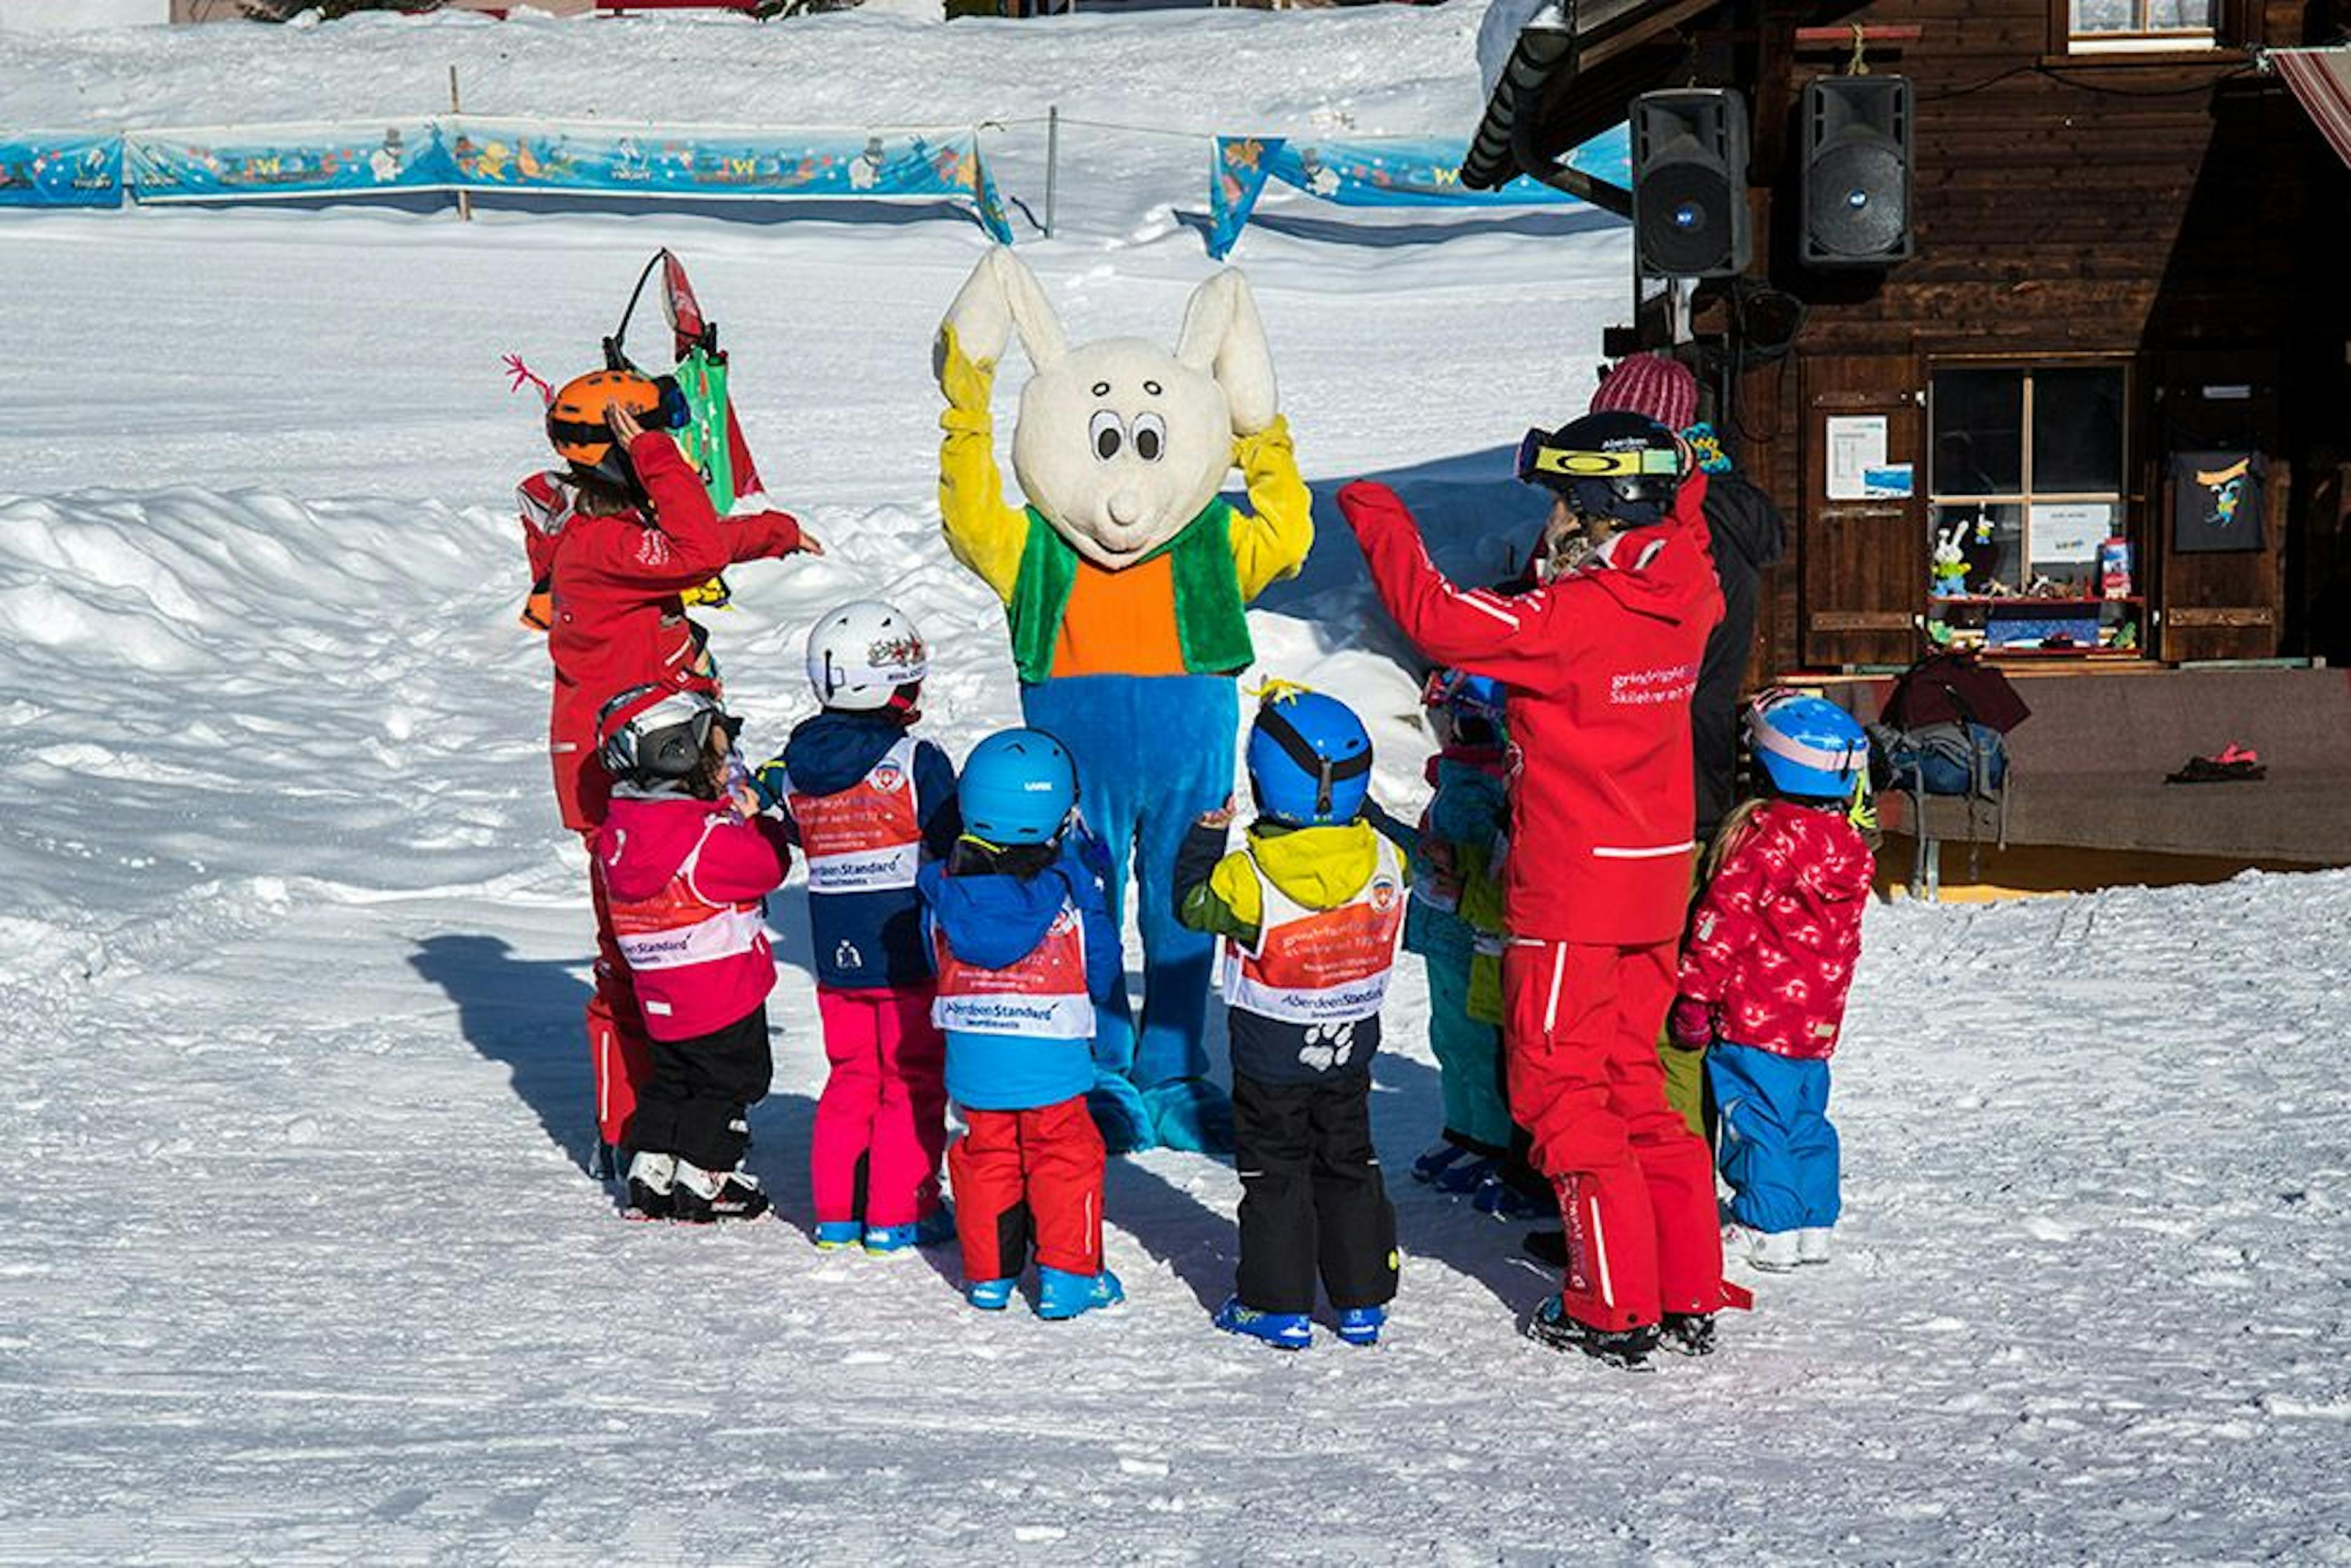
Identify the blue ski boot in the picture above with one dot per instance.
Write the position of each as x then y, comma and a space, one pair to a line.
1450, 1168
1283, 1330
989, 1295
889, 1240
1499, 1198
1061, 1294
1362, 1325
837, 1235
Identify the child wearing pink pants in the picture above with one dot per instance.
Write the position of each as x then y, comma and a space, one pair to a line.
868, 805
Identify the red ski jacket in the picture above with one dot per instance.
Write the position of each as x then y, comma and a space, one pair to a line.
618, 620
1777, 933
684, 879
1600, 666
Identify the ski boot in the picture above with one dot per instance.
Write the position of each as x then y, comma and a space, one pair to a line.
1688, 1333
1813, 1244
838, 1235
1450, 1168
1546, 1246
1061, 1294
1362, 1325
1497, 1197
704, 1197
1773, 1251
989, 1295
603, 1161
1627, 1349
889, 1240
652, 1183
1283, 1330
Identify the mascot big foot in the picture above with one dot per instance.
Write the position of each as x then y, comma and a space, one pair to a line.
1124, 579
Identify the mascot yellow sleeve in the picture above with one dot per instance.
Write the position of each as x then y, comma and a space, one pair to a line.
985, 534
1270, 540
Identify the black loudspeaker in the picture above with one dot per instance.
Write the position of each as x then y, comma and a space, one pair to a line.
1689, 183
1856, 171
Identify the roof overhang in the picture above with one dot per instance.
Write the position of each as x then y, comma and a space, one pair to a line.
1575, 66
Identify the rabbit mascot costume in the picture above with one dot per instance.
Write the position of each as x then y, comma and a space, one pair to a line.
1124, 580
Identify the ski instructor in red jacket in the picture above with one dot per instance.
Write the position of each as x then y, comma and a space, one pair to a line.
618, 535
1599, 657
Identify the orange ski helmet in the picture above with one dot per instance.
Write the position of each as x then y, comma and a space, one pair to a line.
575, 419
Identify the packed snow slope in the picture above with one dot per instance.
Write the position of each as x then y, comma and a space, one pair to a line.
298, 1261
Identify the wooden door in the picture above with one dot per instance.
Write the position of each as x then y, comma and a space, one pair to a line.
1861, 560
2217, 606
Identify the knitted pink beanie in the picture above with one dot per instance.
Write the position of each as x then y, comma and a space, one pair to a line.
1651, 385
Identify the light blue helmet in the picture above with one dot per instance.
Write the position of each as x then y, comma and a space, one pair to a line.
1806, 746
1310, 759
1017, 788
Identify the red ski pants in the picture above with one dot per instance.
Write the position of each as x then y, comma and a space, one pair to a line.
884, 1105
618, 1051
1029, 1175
1635, 1185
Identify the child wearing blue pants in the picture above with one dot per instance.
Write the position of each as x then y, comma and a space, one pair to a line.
1772, 950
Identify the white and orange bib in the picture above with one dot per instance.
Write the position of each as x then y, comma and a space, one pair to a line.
866, 838
1320, 965
1044, 994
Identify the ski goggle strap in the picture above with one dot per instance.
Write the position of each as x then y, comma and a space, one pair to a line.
671, 413
1293, 745
1538, 456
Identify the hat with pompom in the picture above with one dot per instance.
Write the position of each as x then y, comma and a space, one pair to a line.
1651, 385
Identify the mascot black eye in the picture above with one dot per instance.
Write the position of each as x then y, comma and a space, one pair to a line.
1151, 388
1150, 437
1102, 389
1106, 433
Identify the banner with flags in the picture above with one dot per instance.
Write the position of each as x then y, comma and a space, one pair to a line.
1380, 172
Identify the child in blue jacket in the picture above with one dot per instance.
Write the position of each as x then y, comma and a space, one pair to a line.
868, 804
1025, 947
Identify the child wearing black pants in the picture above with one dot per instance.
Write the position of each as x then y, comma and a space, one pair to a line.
1309, 911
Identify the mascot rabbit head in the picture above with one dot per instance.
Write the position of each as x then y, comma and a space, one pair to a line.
1121, 443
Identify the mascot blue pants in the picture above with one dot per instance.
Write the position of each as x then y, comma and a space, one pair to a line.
1152, 753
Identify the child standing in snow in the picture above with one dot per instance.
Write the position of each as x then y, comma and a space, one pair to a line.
868, 804
1310, 910
685, 872
1452, 920
1763, 979
1024, 948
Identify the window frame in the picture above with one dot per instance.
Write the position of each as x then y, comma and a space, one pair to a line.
2025, 497
2226, 29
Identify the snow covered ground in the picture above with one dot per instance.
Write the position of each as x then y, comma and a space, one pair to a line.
297, 1260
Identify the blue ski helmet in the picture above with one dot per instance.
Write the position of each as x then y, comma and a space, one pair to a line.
1310, 759
1019, 787
1808, 746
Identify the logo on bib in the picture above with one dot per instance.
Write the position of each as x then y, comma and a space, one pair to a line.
1383, 894
888, 778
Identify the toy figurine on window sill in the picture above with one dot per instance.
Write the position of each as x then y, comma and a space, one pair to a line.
1949, 578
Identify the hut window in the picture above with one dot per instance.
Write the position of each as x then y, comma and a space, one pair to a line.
2165, 22
2026, 481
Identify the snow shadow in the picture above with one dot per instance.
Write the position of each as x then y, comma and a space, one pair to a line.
1546, 224
524, 1013
1477, 518
1407, 1110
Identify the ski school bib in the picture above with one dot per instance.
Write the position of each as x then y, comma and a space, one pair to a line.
866, 838
1320, 965
1043, 996
677, 926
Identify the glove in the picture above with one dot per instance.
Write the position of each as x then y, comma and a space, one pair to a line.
1690, 1025
1092, 854
770, 783
966, 382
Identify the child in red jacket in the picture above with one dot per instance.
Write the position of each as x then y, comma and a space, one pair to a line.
684, 871
615, 539
1772, 952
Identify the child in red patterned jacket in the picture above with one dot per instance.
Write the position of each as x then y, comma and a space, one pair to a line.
1771, 951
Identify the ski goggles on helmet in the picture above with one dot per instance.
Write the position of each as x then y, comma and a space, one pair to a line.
1541, 462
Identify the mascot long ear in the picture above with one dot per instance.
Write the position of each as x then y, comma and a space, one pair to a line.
1223, 336
1001, 297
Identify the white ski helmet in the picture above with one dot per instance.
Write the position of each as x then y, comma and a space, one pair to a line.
861, 654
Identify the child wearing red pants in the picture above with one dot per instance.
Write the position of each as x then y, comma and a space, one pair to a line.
1022, 936
868, 804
